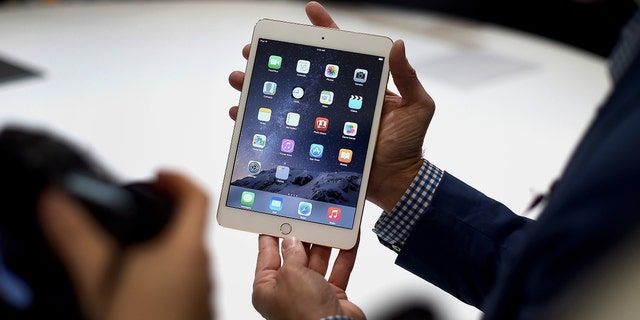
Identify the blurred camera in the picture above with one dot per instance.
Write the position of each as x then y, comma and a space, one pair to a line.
33, 282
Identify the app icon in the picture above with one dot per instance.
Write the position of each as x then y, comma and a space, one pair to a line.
350, 129
345, 155
303, 66
321, 124
264, 114
316, 150
275, 62
297, 92
254, 167
293, 119
269, 88
259, 140
287, 145
247, 198
334, 213
276, 203
355, 102
282, 172
331, 71
326, 97
360, 75
304, 208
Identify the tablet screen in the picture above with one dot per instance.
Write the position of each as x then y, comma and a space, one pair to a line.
305, 131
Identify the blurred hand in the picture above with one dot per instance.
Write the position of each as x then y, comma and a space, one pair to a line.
164, 278
297, 289
403, 126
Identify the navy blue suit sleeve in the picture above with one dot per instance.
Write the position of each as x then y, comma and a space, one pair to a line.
461, 240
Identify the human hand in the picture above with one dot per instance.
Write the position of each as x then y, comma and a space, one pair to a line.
403, 125
166, 277
297, 289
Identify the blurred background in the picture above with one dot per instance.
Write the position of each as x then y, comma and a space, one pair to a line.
591, 25
142, 85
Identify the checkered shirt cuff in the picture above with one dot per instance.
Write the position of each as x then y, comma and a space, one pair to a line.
393, 228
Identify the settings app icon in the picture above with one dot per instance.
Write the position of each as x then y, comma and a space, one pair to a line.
254, 167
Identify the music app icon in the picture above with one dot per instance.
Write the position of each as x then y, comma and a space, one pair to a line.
287, 145
334, 213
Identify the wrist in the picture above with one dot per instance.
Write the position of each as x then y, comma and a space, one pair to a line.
388, 184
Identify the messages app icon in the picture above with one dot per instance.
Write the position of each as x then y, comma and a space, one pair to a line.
247, 198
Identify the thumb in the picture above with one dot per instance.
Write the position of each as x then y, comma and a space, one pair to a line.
82, 245
294, 253
404, 75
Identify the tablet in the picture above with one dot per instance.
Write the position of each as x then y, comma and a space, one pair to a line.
304, 137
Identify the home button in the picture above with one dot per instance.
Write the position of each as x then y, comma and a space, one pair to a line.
285, 228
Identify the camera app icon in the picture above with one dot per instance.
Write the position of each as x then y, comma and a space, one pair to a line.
360, 75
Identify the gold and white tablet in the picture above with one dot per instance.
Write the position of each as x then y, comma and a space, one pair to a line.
304, 137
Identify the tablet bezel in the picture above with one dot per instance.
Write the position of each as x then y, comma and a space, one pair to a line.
260, 223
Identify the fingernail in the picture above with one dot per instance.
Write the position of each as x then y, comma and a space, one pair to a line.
290, 242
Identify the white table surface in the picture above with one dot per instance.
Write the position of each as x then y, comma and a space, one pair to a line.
143, 85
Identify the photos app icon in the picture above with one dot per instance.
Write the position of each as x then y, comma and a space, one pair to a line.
331, 71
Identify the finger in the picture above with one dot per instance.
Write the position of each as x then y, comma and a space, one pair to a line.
390, 93
233, 113
404, 75
293, 253
319, 16
307, 247
343, 265
268, 254
83, 246
319, 259
236, 79
190, 211
245, 51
